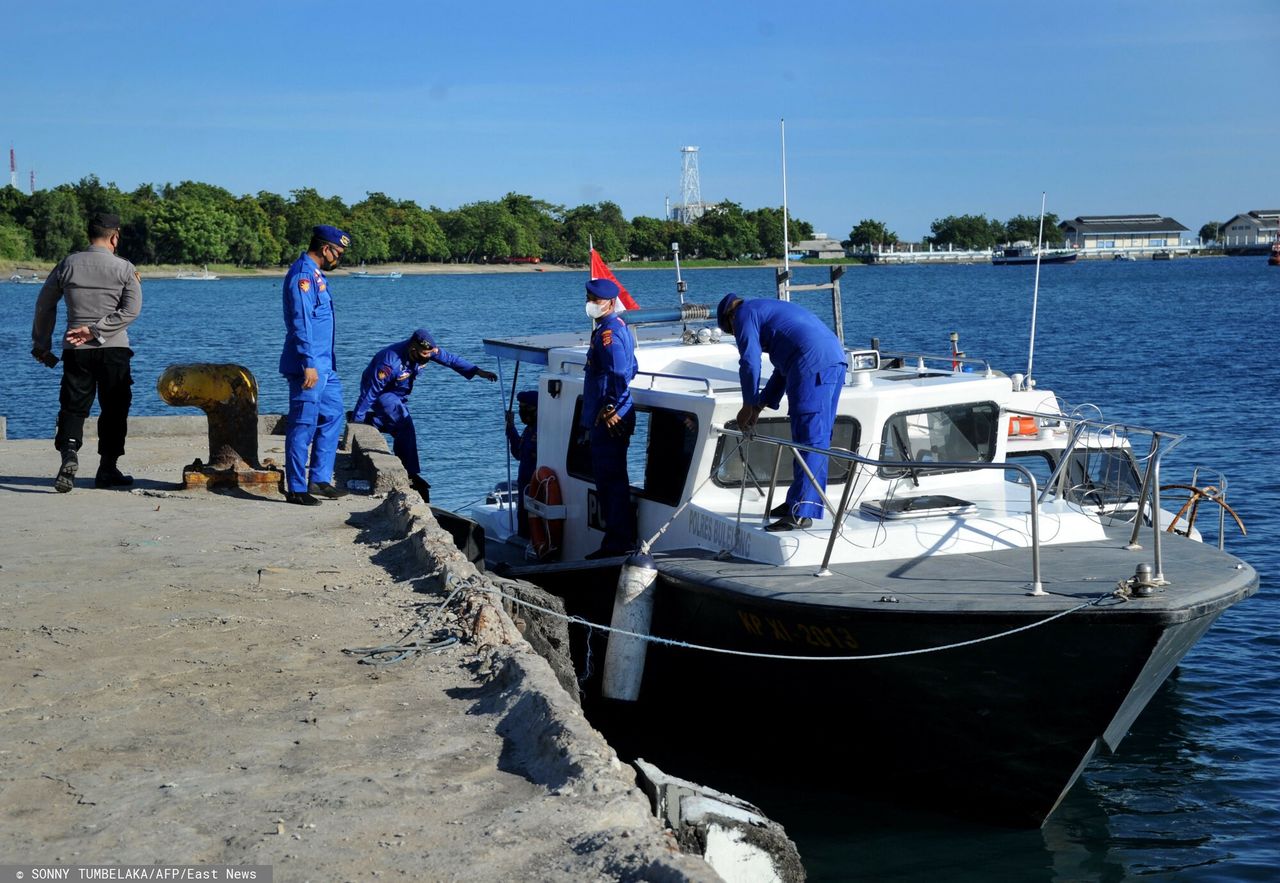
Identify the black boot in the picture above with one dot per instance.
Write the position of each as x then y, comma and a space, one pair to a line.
110, 476
326, 490
66, 477
422, 486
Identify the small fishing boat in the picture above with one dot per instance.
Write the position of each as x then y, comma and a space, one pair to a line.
362, 273
1024, 252
1274, 259
1162, 255
203, 275
995, 591
26, 276
1122, 256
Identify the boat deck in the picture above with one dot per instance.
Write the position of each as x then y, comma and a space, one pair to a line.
1201, 580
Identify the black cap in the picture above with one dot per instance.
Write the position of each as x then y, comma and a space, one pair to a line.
106, 220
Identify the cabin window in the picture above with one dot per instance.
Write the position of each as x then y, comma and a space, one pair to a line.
658, 458
1094, 477
1038, 463
759, 457
951, 434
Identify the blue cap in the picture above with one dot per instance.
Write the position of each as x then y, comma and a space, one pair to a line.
722, 312
603, 289
528, 397
422, 335
331, 235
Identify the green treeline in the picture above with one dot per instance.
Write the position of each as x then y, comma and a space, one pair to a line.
964, 232
194, 223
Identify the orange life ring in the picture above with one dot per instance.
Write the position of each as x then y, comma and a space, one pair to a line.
545, 534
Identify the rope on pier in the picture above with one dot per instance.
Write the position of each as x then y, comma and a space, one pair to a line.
390, 654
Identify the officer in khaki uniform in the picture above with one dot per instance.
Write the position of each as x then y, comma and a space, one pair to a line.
103, 294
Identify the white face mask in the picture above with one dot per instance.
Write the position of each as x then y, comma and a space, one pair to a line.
597, 309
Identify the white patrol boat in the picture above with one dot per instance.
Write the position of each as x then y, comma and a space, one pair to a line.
993, 593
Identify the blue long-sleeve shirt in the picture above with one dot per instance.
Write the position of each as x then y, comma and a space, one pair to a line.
794, 338
393, 371
611, 363
308, 320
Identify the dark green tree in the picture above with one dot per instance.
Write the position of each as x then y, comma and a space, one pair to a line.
729, 234
1211, 232
966, 232
15, 241
1027, 227
870, 232
57, 223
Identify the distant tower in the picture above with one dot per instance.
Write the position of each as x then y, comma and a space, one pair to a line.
691, 207
33, 182
13, 169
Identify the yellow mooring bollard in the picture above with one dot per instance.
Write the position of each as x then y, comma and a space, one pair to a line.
228, 394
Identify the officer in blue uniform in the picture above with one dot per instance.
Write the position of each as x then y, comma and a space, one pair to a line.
307, 362
524, 447
609, 416
809, 364
384, 395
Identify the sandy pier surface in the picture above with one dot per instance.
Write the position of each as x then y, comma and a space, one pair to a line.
175, 691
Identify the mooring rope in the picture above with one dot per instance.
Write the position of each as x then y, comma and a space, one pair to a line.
390, 654
684, 645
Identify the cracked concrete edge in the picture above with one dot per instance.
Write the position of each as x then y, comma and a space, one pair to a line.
544, 723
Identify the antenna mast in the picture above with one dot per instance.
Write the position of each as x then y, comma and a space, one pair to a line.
33, 182
1035, 295
13, 169
784, 290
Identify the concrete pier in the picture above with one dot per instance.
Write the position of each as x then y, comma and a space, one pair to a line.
175, 690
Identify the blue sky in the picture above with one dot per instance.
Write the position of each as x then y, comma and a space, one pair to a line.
901, 114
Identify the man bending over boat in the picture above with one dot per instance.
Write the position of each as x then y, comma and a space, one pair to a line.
809, 365
384, 395
608, 415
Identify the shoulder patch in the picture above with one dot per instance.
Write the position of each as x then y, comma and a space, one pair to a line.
606, 337
384, 372
304, 285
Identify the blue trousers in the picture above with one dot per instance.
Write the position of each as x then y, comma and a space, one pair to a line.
812, 397
613, 488
391, 415
315, 422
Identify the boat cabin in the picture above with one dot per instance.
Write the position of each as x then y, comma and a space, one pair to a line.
943, 444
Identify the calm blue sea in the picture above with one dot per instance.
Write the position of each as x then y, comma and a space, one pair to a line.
1194, 793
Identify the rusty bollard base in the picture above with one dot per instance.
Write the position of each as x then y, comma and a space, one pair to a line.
266, 480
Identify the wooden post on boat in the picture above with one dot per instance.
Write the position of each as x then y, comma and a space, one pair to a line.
782, 279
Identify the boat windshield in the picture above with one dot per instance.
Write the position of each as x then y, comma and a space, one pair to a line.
758, 459
964, 433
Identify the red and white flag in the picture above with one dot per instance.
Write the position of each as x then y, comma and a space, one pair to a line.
600, 270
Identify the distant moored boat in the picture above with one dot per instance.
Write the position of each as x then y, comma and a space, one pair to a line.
1025, 253
30, 277
192, 276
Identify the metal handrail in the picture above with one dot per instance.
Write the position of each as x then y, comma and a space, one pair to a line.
839, 512
705, 381
1161, 443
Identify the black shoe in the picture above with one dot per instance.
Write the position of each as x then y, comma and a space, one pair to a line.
300, 499
781, 510
789, 523
66, 477
326, 490
110, 476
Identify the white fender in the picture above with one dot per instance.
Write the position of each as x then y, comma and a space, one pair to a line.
632, 612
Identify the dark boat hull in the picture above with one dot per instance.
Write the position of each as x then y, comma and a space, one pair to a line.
998, 729
1044, 259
